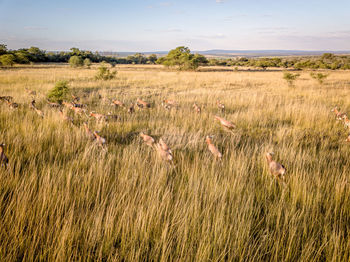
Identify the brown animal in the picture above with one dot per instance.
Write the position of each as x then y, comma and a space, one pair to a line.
51, 104
88, 132
100, 140
147, 139
12, 105
64, 117
131, 109
339, 115
6, 98
216, 153
166, 155
118, 103
31, 92
196, 108
75, 98
142, 104
221, 106
225, 123
346, 121
3, 159
348, 138
98, 117
275, 168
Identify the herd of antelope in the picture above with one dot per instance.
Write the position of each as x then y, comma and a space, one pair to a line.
162, 149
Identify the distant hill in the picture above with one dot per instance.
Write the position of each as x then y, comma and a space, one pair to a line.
237, 53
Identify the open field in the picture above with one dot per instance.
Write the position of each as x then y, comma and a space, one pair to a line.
64, 198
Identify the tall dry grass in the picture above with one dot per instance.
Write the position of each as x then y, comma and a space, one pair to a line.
63, 198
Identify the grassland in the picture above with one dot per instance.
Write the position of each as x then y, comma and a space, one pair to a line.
63, 198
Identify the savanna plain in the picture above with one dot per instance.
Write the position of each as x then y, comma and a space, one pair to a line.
64, 198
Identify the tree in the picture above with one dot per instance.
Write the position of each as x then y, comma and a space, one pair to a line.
87, 62
182, 58
76, 61
319, 77
290, 78
22, 57
104, 73
152, 58
7, 60
36, 54
3, 49
59, 92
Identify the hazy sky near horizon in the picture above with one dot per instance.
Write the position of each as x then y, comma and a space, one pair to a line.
154, 25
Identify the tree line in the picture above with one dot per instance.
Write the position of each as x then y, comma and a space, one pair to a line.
180, 57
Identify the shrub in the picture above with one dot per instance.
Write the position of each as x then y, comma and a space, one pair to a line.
319, 77
290, 78
76, 61
87, 62
59, 92
7, 60
104, 73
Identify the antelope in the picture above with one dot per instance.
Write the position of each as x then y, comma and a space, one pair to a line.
100, 140
64, 117
110, 116
3, 159
213, 148
88, 132
51, 104
66, 104
196, 108
32, 106
221, 106
275, 168
131, 108
12, 105
75, 98
98, 117
142, 104
147, 139
118, 103
170, 102
338, 114
346, 121
347, 139
166, 155
164, 146
30, 92
225, 123
77, 110
6, 98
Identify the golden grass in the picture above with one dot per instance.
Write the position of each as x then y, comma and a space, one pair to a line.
63, 198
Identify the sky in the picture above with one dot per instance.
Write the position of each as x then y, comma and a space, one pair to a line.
157, 25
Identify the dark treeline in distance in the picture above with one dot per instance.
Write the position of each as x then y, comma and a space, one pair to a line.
36, 55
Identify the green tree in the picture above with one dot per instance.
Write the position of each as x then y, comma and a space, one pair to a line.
152, 58
104, 73
7, 60
87, 62
36, 54
22, 57
3, 49
59, 92
319, 77
290, 78
182, 58
76, 61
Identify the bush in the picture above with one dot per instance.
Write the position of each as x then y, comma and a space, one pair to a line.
319, 77
104, 73
59, 92
7, 60
290, 78
87, 62
76, 61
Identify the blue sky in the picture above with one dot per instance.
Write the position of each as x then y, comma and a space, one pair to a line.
150, 25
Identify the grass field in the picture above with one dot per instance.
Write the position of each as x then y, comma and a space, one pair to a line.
64, 198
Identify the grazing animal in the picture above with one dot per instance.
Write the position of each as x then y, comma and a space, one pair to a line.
275, 168
66, 104
98, 117
31, 92
12, 105
75, 98
39, 112
166, 155
147, 139
164, 145
142, 104
3, 159
213, 148
131, 108
221, 106
339, 115
118, 103
197, 108
51, 104
225, 123
346, 121
100, 140
6, 98
88, 132
64, 117
32, 105
77, 110
111, 117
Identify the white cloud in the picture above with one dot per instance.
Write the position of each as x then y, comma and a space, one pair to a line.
220, 1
